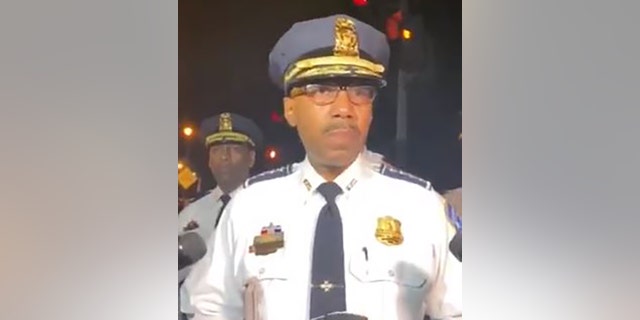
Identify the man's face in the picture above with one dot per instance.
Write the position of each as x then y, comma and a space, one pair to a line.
230, 163
332, 120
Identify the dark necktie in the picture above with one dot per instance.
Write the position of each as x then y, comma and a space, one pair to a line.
327, 270
225, 200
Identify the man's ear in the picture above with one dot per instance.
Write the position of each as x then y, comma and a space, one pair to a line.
252, 158
289, 111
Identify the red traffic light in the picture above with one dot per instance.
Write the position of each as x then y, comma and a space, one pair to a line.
360, 3
392, 25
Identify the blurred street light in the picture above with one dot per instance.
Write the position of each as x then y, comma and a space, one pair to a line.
188, 131
271, 153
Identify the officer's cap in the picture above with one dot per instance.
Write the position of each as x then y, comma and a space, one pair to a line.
337, 46
230, 128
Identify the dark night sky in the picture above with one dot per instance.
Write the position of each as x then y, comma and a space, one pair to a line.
223, 53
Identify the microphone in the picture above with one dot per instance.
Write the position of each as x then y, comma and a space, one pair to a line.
191, 248
455, 246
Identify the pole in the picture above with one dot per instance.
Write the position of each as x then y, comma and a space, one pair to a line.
401, 120
401, 107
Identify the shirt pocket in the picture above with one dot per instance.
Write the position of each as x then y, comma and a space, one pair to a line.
394, 287
387, 265
267, 285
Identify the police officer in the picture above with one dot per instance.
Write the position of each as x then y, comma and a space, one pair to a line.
231, 141
332, 237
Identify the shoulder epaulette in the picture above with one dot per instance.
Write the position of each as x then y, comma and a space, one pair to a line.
393, 172
271, 174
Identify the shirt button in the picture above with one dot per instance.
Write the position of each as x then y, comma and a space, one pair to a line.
261, 271
391, 273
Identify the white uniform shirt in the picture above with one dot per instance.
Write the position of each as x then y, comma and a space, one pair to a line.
204, 212
383, 282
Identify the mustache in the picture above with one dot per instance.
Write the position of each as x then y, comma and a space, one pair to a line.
340, 126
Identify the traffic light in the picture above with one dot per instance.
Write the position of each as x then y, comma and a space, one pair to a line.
414, 45
395, 27
360, 3
393, 24
406, 34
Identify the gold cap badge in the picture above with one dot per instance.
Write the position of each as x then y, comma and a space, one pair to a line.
389, 231
346, 39
225, 123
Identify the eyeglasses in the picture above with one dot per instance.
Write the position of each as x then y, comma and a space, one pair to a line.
323, 94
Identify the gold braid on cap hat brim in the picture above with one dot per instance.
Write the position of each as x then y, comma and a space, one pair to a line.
228, 136
333, 66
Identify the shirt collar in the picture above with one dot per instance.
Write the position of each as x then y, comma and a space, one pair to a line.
347, 180
234, 192
217, 193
